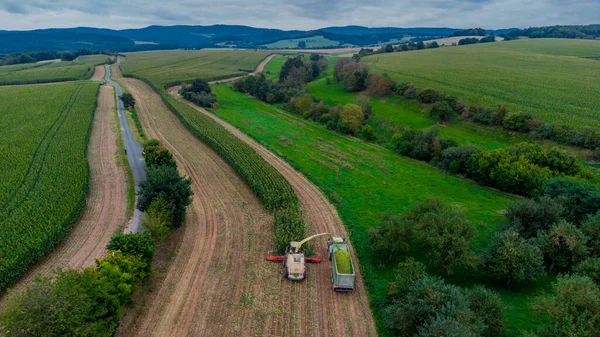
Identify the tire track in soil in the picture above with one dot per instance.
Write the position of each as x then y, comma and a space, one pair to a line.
106, 206
323, 217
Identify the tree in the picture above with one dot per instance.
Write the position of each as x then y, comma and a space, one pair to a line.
368, 132
590, 268
139, 245
128, 100
513, 258
572, 310
564, 244
200, 85
578, 198
499, 115
444, 326
442, 110
455, 159
54, 305
445, 236
353, 76
487, 306
351, 119
159, 217
591, 228
339, 65
391, 238
302, 44
530, 216
429, 96
408, 272
164, 181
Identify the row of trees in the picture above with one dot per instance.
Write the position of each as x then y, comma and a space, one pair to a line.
389, 48
470, 32
563, 32
200, 93
33, 57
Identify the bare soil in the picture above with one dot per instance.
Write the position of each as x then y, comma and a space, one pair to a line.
218, 282
106, 204
98, 73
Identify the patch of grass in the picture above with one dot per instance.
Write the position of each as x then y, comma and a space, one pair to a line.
545, 77
362, 180
273, 68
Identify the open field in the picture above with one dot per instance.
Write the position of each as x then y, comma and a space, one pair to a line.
554, 88
362, 180
106, 206
311, 42
165, 67
80, 69
219, 283
45, 171
448, 41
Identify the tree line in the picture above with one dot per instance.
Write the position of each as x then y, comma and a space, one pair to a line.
33, 57
589, 32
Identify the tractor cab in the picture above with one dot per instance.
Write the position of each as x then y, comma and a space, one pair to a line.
294, 263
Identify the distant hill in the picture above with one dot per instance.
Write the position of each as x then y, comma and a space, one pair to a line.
196, 37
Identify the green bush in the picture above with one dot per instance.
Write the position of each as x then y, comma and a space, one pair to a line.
564, 245
514, 259
441, 110
139, 245
590, 226
578, 198
159, 217
429, 96
391, 238
487, 306
529, 216
590, 268
455, 159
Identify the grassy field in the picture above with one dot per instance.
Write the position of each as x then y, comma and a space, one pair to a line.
391, 114
546, 77
273, 68
164, 67
81, 68
364, 180
311, 42
43, 139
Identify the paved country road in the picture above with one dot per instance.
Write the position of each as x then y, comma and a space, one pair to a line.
134, 154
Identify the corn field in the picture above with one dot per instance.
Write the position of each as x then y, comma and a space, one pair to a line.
44, 169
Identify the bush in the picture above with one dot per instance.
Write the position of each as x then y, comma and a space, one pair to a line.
339, 65
589, 268
578, 198
159, 217
499, 115
563, 244
139, 245
455, 159
165, 182
481, 115
487, 306
429, 96
529, 216
379, 84
402, 87
368, 132
445, 236
391, 238
353, 76
443, 325
513, 258
408, 272
573, 309
590, 226
351, 119
442, 110
517, 121
128, 100
203, 99
410, 93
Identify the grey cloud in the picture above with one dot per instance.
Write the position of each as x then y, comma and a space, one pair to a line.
297, 14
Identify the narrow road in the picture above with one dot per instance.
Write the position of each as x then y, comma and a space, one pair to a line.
134, 154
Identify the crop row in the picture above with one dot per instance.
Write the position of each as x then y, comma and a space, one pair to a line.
46, 195
267, 183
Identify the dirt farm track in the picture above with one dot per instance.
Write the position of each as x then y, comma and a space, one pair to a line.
218, 282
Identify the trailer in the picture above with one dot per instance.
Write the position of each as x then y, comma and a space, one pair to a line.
341, 282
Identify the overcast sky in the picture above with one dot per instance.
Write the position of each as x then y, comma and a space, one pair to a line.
296, 14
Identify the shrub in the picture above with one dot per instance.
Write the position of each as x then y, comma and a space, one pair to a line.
351, 119
200, 85
442, 110
379, 84
529, 216
429, 96
128, 100
443, 325
590, 268
406, 274
353, 76
139, 245
402, 87
155, 155
517, 121
368, 132
481, 115
391, 238
578, 198
563, 244
590, 226
339, 65
573, 309
445, 236
158, 219
487, 306
455, 159
499, 115
410, 93
203, 99
513, 258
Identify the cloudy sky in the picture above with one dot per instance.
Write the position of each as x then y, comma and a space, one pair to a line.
296, 14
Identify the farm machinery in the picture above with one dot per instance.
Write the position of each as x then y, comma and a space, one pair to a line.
294, 261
